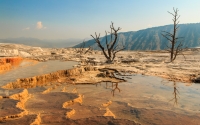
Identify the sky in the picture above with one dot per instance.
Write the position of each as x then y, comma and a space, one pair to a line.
65, 19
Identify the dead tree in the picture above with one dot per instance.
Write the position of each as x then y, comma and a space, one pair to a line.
176, 94
111, 48
175, 47
116, 87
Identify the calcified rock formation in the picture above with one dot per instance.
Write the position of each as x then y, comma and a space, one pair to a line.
83, 75
8, 49
70, 113
25, 120
71, 102
6, 63
107, 104
143, 62
48, 90
109, 113
37, 121
21, 98
43, 79
9, 52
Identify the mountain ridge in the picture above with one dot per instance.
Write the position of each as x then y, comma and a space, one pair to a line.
151, 38
144, 39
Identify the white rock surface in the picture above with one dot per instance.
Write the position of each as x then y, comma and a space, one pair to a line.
24, 54
9, 52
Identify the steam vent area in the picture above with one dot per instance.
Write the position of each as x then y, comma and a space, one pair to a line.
48, 86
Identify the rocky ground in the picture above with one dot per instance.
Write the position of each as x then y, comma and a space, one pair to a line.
26, 103
184, 68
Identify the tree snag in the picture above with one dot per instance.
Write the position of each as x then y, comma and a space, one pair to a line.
175, 42
176, 94
111, 48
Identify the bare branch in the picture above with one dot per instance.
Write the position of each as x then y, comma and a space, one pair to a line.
166, 37
171, 13
107, 41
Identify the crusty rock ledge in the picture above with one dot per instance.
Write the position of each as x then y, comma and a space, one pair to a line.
82, 75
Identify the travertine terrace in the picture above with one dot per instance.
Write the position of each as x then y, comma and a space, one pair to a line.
54, 98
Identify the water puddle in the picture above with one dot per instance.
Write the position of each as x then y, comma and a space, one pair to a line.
143, 99
27, 69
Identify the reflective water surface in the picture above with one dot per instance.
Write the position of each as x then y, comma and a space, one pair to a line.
144, 99
29, 69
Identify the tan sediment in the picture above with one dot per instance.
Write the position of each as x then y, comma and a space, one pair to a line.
109, 113
70, 113
79, 99
107, 104
37, 121
71, 102
64, 89
22, 98
74, 90
49, 89
13, 116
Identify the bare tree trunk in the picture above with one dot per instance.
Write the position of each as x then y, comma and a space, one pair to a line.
176, 45
111, 48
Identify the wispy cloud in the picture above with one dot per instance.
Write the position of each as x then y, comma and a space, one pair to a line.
27, 28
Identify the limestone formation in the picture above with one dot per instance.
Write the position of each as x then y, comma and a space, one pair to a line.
71, 102
6, 63
43, 79
109, 113
9, 52
21, 98
107, 104
70, 113
37, 121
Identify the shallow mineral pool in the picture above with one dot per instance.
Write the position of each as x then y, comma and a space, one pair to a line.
143, 99
28, 69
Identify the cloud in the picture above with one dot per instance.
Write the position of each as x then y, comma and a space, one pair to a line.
39, 25
27, 28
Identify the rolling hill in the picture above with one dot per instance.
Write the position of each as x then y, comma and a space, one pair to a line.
151, 38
